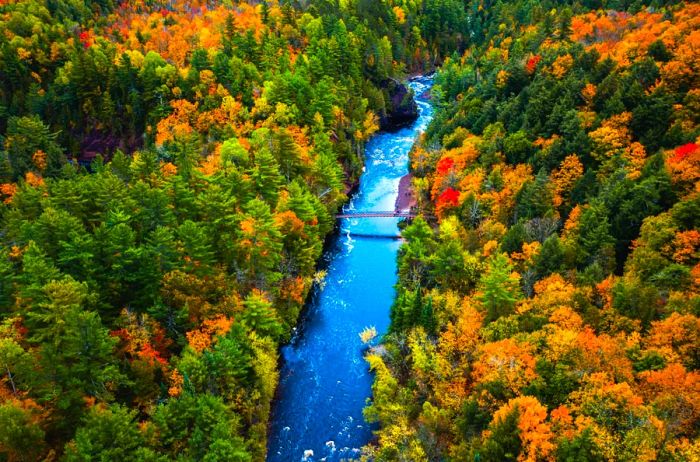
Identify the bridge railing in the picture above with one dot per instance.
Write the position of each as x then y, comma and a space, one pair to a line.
377, 214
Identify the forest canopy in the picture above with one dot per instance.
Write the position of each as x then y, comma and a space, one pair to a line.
553, 310
168, 175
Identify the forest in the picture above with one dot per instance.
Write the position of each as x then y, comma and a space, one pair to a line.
170, 171
552, 312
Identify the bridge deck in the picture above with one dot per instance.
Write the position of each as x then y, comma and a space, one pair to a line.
377, 214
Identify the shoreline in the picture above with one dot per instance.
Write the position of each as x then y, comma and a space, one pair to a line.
405, 200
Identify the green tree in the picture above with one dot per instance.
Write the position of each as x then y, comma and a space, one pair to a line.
594, 237
259, 244
259, 315
222, 370
76, 350
416, 255
6, 282
187, 152
199, 427
18, 364
233, 152
504, 442
499, 290
427, 317
517, 147
266, 176
108, 433
37, 270
550, 258
27, 135
534, 199
636, 300
580, 448
21, 438
195, 247
449, 265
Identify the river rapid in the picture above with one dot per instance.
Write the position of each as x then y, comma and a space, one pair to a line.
324, 380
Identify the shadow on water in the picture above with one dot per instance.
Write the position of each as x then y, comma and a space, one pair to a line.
324, 380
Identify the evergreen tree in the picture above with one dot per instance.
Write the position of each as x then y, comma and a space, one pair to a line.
22, 437
550, 259
259, 244
594, 239
416, 312
199, 427
504, 442
259, 315
195, 247
499, 291
427, 317
266, 176
32, 147
77, 351
416, 253
397, 312
6, 283
187, 153
108, 433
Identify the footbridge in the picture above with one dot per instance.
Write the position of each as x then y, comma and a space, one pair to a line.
377, 214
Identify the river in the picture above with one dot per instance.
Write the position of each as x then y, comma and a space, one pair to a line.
324, 380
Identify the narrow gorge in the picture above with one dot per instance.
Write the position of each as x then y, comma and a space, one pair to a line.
324, 381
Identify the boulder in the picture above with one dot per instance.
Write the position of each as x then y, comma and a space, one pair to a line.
401, 107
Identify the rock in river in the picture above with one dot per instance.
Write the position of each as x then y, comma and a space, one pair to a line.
401, 107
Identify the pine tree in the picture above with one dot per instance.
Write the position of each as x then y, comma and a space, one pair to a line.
551, 257
265, 12
6, 282
76, 350
499, 291
195, 247
120, 166
259, 244
229, 34
416, 307
108, 433
286, 152
187, 154
565, 23
259, 315
594, 239
25, 137
37, 270
5, 168
266, 176
414, 266
396, 314
427, 318
200, 427
504, 442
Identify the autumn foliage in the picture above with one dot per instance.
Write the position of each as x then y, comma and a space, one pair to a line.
169, 171
555, 301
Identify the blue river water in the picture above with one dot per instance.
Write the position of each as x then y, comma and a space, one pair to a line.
324, 380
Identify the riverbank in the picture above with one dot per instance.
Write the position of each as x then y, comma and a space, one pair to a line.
324, 381
406, 199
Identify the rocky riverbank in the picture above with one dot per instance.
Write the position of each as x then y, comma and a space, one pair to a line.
406, 198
